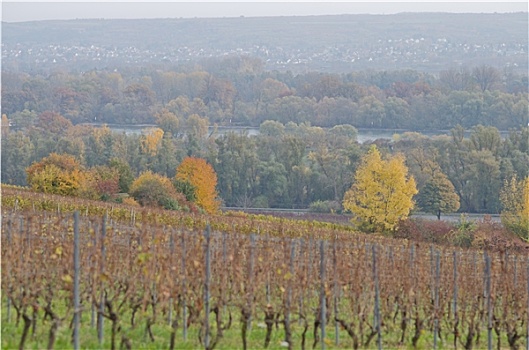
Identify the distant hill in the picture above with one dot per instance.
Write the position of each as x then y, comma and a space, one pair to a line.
338, 43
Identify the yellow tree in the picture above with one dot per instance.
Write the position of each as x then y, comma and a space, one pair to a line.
5, 125
151, 141
515, 200
57, 174
382, 192
201, 175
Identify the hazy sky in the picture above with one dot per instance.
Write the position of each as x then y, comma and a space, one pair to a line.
16, 11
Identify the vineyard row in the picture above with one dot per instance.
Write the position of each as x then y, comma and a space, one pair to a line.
92, 270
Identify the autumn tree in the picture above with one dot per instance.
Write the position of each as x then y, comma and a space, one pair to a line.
102, 183
168, 122
57, 174
151, 189
514, 197
438, 196
202, 177
382, 193
151, 141
53, 122
5, 125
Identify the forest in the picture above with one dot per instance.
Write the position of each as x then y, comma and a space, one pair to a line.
306, 150
237, 90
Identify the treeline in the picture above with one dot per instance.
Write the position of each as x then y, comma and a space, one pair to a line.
238, 91
288, 166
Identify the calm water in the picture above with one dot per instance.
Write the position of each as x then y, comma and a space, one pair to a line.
364, 135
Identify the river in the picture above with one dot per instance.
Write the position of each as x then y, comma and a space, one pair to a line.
363, 136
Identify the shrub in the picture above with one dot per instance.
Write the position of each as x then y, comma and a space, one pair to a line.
325, 207
489, 235
463, 234
431, 231
151, 189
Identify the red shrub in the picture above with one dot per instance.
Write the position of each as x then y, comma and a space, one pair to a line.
431, 231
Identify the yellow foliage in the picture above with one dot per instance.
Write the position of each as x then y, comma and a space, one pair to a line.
130, 201
152, 189
202, 176
57, 174
382, 192
515, 200
151, 141
101, 132
5, 125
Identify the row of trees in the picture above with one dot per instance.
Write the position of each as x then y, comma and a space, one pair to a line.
383, 191
381, 195
228, 93
289, 166
193, 186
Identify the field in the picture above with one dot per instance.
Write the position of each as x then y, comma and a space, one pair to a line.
149, 280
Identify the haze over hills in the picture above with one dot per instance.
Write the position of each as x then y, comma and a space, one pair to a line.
335, 43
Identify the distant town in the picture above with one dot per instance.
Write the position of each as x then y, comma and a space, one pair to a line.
335, 44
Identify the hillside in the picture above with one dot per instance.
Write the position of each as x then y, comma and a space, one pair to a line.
429, 42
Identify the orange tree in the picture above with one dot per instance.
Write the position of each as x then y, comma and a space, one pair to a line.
202, 177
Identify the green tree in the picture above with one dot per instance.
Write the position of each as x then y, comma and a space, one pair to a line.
168, 122
236, 166
126, 177
186, 188
196, 134
334, 155
382, 193
272, 182
17, 151
438, 196
151, 189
